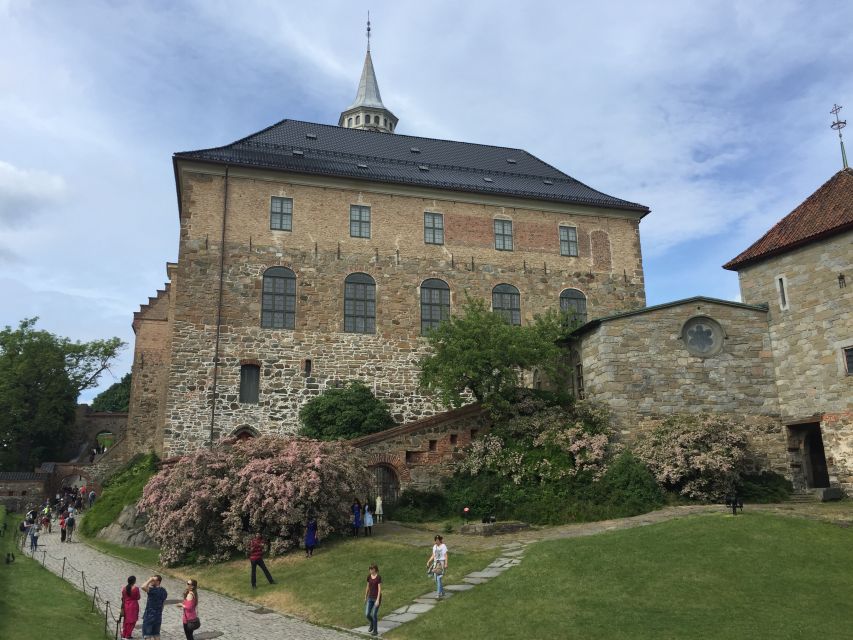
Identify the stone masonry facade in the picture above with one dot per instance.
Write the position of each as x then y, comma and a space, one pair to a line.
639, 367
809, 329
178, 330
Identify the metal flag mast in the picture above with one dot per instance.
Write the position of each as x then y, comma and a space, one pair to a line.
838, 125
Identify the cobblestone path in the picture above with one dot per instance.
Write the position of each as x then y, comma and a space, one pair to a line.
221, 617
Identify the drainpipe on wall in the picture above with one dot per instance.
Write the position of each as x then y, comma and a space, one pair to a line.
219, 310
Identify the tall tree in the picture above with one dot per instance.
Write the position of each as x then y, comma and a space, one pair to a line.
41, 377
481, 354
114, 398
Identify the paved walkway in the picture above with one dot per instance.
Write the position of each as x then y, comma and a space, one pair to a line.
221, 617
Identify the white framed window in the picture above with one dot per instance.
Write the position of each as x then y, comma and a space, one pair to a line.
281, 214
433, 228
503, 235
568, 241
359, 221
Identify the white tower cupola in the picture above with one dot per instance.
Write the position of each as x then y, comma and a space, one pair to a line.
367, 111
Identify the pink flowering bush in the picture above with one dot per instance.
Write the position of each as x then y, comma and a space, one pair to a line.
700, 456
209, 502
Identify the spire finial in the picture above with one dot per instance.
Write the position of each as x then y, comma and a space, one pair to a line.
368, 30
838, 125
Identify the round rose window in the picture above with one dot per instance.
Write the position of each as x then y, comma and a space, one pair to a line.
702, 336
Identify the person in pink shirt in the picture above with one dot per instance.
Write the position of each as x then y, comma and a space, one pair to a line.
129, 607
190, 606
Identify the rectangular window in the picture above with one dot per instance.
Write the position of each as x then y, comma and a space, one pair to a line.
281, 214
433, 228
433, 444
359, 221
454, 438
503, 235
250, 380
848, 360
783, 295
579, 381
568, 241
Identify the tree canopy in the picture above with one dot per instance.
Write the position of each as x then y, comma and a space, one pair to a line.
41, 377
114, 398
344, 413
481, 354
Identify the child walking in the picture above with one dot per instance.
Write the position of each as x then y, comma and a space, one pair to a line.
373, 598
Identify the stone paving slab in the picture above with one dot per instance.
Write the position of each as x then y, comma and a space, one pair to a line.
514, 554
221, 616
486, 573
400, 617
471, 580
459, 587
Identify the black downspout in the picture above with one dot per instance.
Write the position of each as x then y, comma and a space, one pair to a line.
219, 310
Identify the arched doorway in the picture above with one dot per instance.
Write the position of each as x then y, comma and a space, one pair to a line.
245, 433
104, 440
385, 483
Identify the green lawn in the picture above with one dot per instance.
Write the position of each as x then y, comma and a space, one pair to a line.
712, 577
35, 604
329, 588
149, 558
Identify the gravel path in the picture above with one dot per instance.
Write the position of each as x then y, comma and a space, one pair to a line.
221, 617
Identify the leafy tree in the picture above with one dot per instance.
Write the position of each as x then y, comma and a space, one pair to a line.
114, 398
344, 413
41, 376
481, 354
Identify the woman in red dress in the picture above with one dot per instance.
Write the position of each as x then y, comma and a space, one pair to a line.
129, 607
189, 605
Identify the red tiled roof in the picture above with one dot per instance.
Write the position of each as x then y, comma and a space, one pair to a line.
828, 211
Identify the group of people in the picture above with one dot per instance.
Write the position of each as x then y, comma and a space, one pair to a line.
152, 617
362, 516
64, 509
436, 568
97, 450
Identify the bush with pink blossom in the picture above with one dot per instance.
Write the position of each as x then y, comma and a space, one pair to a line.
206, 505
700, 456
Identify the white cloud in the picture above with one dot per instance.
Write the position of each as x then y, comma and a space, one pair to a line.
25, 192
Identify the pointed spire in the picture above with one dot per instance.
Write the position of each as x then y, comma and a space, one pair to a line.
838, 125
367, 110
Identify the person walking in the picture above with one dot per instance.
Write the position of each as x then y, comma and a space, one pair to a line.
368, 520
34, 537
256, 558
62, 527
356, 517
129, 607
373, 598
378, 510
153, 616
190, 617
70, 523
310, 537
437, 564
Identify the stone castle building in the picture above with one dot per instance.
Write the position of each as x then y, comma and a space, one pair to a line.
311, 255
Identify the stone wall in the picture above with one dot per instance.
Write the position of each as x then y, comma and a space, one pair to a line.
321, 253
17, 495
808, 335
837, 432
423, 453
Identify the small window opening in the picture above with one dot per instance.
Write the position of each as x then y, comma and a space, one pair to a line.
410, 456
433, 444
783, 298
848, 360
307, 366
842, 281
474, 433
454, 438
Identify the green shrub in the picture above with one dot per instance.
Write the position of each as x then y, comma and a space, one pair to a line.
418, 506
628, 486
344, 413
122, 489
766, 486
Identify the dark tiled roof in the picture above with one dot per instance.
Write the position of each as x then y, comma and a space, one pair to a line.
828, 211
7, 476
319, 149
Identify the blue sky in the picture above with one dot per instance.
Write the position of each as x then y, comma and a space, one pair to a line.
714, 114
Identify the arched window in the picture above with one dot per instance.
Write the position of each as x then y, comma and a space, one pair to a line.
573, 304
278, 305
506, 301
349, 122
359, 304
435, 303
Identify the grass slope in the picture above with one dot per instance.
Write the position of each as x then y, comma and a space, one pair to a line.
35, 604
329, 588
712, 577
121, 490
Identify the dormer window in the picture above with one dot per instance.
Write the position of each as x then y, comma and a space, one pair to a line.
358, 119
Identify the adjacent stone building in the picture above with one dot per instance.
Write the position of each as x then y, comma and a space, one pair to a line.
311, 255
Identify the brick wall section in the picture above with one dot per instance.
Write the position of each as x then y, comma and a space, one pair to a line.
151, 356
422, 453
808, 338
321, 253
640, 369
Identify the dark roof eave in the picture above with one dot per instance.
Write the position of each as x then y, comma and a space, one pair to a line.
592, 324
734, 264
642, 209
